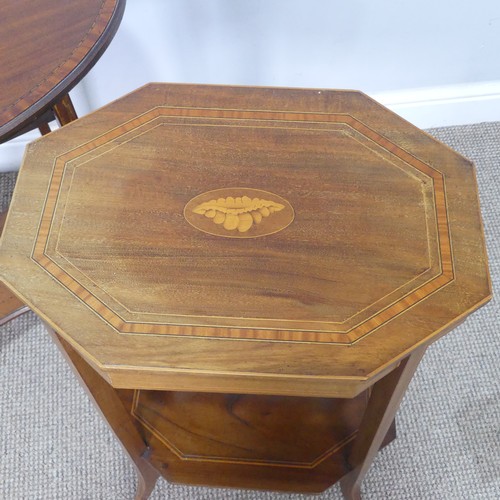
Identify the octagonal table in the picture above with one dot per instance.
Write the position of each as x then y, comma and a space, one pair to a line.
246, 278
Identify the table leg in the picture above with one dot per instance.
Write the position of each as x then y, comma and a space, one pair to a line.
44, 128
64, 110
111, 407
380, 412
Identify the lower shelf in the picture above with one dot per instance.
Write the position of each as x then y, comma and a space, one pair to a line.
248, 441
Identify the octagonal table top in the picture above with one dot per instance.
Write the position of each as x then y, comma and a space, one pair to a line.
237, 239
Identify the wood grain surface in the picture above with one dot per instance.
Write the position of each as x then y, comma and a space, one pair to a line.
47, 47
249, 441
384, 251
246, 441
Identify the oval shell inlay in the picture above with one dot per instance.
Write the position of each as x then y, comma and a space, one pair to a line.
239, 212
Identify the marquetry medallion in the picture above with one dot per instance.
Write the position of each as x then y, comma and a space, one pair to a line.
239, 213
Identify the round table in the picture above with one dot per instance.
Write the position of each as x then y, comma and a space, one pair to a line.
48, 46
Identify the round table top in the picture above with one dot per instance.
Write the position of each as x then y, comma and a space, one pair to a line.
234, 239
48, 46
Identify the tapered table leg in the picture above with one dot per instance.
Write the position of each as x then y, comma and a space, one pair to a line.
44, 128
64, 110
111, 407
380, 412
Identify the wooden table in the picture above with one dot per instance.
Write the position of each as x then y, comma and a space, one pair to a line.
246, 278
46, 48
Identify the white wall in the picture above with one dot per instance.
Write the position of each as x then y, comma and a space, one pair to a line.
434, 62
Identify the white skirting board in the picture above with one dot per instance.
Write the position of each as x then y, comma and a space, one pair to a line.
425, 107
444, 106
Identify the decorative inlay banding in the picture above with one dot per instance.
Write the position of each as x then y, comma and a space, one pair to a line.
239, 212
345, 331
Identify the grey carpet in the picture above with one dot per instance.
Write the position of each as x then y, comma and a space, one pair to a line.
53, 444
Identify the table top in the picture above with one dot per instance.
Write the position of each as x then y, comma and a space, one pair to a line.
237, 239
47, 48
